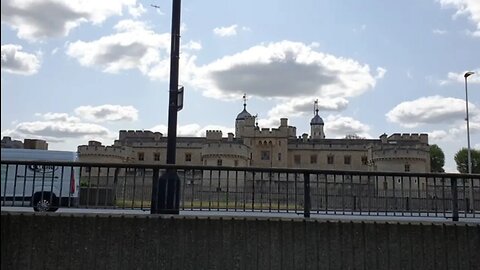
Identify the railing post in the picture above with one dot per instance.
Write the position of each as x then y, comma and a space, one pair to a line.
155, 191
306, 195
454, 198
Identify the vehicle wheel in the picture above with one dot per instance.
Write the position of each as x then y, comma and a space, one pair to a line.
43, 205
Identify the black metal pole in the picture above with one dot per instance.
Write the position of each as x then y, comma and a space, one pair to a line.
173, 99
167, 187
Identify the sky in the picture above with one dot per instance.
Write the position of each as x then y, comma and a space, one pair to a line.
80, 70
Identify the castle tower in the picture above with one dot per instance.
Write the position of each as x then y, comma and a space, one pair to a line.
241, 118
316, 124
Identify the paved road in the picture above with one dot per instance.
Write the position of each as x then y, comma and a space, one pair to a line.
230, 213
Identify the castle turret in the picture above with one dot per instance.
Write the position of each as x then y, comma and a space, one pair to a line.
241, 119
316, 124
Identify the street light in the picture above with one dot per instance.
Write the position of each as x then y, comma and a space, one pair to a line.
469, 157
166, 188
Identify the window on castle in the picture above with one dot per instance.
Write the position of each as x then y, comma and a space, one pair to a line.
407, 167
265, 155
313, 159
279, 156
219, 162
188, 157
236, 163
330, 159
364, 160
156, 156
347, 160
297, 159
141, 156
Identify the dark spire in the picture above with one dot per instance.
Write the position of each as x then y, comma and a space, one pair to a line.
315, 107
244, 101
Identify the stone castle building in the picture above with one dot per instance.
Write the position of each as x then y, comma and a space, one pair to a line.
252, 146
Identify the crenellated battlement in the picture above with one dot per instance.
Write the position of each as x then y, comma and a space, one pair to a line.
139, 135
422, 138
213, 134
101, 150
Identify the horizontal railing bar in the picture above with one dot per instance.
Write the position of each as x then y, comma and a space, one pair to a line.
247, 169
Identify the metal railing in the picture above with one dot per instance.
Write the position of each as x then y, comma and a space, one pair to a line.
52, 185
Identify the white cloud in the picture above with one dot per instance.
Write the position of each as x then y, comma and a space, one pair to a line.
297, 106
193, 130
40, 19
107, 112
429, 110
60, 129
469, 8
59, 117
226, 31
15, 61
380, 73
192, 45
283, 70
439, 32
136, 11
133, 46
337, 126
458, 77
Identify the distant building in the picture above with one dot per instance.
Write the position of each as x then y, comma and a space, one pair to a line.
252, 146
7, 142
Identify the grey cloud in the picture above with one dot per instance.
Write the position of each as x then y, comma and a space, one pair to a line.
14, 60
284, 69
429, 110
40, 19
119, 52
278, 78
107, 112
60, 129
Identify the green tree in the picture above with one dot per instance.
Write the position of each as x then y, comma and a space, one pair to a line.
437, 159
461, 158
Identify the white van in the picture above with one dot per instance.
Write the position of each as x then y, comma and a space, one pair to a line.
44, 187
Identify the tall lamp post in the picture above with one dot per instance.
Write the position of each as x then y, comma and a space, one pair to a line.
166, 189
469, 155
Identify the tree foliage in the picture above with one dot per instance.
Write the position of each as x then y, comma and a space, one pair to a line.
461, 158
437, 159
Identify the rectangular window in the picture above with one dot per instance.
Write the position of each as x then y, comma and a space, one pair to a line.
407, 167
297, 159
156, 156
219, 162
347, 160
188, 157
265, 155
313, 159
236, 163
330, 159
364, 160
279, 156
141, 156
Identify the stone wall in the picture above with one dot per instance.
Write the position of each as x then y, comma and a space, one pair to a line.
56, 241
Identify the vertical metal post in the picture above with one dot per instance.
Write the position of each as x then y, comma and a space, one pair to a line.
469, 155
306, 195
168, 185
454, 199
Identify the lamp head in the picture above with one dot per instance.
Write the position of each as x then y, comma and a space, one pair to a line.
468, 74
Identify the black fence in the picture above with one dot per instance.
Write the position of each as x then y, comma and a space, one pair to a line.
48, 186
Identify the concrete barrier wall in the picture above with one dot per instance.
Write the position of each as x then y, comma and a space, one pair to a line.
56, 241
